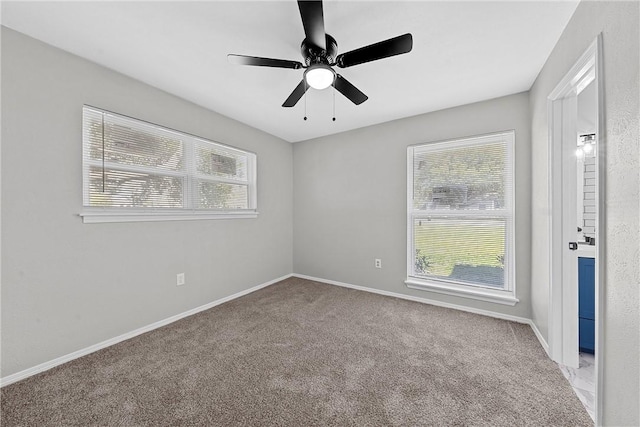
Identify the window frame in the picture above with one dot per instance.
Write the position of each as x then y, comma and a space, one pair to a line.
505, 296
189, 175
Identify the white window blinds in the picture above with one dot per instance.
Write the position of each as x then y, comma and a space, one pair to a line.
461, 212
134, 166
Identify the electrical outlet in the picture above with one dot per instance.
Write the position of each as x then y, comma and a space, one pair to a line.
180, 279
378, 263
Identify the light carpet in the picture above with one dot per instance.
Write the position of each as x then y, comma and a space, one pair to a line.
302, 353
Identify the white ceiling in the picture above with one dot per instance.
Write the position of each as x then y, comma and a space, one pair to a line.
463, 52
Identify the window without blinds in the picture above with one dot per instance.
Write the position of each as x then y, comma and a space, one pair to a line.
131, 165
461, 212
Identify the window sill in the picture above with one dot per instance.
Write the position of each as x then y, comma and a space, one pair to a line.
482, 294
102, 215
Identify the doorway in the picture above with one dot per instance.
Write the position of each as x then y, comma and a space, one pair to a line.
576, 150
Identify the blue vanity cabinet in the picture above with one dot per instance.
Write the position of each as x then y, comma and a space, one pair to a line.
586, 304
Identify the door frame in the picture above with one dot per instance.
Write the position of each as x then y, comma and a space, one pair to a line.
563, 325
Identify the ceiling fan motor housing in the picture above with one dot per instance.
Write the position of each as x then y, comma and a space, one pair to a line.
312, 54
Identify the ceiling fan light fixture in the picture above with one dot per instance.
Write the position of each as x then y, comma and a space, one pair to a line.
319, 76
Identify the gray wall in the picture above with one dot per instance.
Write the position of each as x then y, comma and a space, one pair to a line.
67, 285
618, 22
350, 198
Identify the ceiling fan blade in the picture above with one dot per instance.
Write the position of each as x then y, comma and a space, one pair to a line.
384, 49
296, 95
352, 93
263, 62
313, 22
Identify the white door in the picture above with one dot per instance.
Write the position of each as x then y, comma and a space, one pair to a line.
570, 229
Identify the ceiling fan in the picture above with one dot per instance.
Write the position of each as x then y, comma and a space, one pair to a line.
319, 51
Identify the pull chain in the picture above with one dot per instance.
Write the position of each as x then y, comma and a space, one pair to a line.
334, 104
305, 99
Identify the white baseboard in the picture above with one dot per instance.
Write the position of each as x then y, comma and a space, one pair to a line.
543, 342
10, 379
517, 319
420, 299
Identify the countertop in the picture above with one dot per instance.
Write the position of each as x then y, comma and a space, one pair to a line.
586, 251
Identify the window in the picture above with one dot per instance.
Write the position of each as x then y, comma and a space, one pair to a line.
138, 171
460, 217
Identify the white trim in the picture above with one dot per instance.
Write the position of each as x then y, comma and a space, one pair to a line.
90, 216
18, 376
507, 295
252, 176
470, 214
600, 272
419, 299
555, 232
179, 133
562, 326
573, 79
466, 291
411, 244
481, 312
588, 67
188, 174
209, 178
135, 168
468, 141
538, 334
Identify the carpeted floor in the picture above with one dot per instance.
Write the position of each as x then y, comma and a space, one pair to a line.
302, 353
